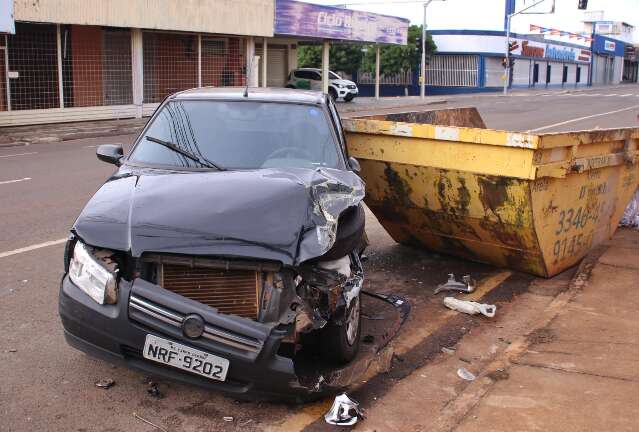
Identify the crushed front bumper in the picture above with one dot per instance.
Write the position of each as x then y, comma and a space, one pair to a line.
117, 334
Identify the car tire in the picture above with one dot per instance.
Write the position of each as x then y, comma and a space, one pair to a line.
340, 343
332, 93
349, 98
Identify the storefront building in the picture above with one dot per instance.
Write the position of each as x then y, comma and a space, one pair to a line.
608, 60
631, 64
472, 61
73, 60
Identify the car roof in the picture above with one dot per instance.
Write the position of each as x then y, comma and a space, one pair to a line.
263, 94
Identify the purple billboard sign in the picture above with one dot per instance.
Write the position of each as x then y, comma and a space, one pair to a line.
296, 18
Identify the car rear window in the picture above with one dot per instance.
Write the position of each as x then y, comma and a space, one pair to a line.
240, 135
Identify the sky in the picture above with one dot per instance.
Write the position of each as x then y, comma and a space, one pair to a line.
489, 14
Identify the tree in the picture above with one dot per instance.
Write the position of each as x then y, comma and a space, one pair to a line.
342, 57
399, 58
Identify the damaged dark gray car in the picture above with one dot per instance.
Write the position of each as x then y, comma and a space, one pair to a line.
226, 244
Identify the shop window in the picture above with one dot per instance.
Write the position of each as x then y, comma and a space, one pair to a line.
33, 64
96, 66
3, 78
222, 62
170, 63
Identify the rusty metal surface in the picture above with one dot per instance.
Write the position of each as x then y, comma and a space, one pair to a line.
534, 203
462, 117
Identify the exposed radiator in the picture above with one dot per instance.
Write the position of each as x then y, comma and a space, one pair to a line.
233, 292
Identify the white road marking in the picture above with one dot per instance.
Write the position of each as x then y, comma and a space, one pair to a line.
583, 118
18, 154
625, 95
32, 247
15, 181
611, 94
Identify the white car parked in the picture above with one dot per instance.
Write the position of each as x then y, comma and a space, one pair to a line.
311, 79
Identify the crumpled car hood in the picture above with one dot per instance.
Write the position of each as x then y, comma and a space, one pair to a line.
288, 215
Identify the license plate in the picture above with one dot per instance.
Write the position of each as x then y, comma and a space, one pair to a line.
184, 357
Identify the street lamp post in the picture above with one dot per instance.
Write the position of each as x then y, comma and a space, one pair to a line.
507, 54
422, 89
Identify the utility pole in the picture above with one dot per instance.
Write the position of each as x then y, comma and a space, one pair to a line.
508, 20
422, 89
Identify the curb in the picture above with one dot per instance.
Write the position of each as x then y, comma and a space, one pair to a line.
44, 137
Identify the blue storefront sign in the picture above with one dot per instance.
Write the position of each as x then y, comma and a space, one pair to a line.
609, 46
6, 17
296, 18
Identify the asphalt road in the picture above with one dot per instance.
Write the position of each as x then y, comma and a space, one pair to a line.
45, 385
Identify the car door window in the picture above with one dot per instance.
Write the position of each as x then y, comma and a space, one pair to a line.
338, 125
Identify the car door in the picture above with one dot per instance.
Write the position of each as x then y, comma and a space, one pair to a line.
316, 80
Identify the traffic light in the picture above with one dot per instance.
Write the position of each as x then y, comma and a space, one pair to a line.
583, 4
504, 62
418, 44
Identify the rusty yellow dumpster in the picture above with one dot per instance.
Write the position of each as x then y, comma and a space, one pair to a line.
536, 203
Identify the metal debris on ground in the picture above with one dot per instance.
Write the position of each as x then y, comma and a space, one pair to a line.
448, 351
228, 419
470, 307
105, 383
149, 422
344, 412
631, 214
12, 350
153, 390
465, 374
466, 286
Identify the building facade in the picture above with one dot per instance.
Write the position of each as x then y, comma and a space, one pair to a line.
472, 60
608, 60
90, 59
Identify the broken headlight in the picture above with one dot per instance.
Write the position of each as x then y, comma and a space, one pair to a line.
88, 273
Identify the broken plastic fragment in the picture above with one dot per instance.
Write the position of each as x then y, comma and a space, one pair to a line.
465, 374
467, 286
344, 412
105, 383
470, 307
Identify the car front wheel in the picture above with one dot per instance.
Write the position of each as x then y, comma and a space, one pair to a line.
340, 342
349, 97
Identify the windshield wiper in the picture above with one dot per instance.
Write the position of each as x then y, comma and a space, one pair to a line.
202, 161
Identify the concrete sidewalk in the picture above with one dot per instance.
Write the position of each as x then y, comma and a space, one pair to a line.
562, 357
16, 136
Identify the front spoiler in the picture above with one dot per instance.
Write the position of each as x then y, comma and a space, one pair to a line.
108, 332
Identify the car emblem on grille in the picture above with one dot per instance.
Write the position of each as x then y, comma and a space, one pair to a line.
193, 326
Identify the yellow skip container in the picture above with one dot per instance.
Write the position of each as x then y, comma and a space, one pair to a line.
531, 202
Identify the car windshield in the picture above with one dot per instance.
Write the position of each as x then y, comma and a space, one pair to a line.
238, 135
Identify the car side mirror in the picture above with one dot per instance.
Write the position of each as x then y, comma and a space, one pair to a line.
110, 153
354, 164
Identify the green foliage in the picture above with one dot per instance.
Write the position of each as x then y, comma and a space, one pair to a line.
343, 57
350, 58
397, 58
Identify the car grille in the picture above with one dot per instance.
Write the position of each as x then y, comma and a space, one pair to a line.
234, 292
139, 306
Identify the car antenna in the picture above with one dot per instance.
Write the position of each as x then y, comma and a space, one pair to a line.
248, 76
